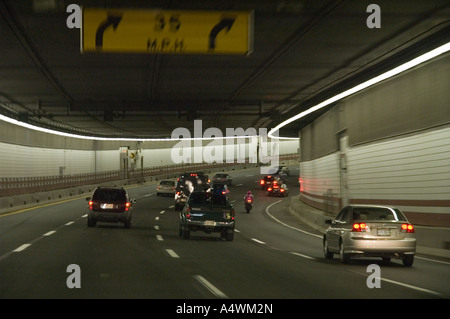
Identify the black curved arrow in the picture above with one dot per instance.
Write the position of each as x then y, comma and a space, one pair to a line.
111, 20
225, 23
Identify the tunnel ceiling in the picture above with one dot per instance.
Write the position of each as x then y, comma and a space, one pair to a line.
303, 51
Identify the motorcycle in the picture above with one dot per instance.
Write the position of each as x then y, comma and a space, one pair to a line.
248, 205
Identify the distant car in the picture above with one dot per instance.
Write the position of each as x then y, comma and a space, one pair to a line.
220, 189
110, 204
222, 178
277, 189
266, 181
188, 183
370, 231
165, 187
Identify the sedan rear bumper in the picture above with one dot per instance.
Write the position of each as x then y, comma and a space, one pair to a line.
380, 247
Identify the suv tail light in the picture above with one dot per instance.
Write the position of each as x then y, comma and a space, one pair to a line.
127, 205
359, 227
262, 182
90, 204
407, 228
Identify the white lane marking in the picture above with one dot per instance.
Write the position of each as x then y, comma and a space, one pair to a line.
159, 237
162, 212
49, 233
214, 290
433, 260
156, 218
301, 255
171, 206
21, 248
258, 241
156, 227
238, 185
289, 226
172, 253
84, 216
69, 223
412, 287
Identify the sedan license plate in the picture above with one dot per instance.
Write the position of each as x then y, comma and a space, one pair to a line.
383, 232
210, 223
107, 206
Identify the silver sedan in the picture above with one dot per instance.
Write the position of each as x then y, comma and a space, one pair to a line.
370, 231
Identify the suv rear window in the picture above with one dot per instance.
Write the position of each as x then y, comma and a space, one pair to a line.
110, 195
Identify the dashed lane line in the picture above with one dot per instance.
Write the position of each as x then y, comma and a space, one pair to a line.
21, 248
172, 253
258, 241
214, 290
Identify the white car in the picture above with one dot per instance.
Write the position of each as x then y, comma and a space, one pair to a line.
165, 187
370, 231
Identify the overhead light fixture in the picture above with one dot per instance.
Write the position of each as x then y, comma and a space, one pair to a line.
393, 72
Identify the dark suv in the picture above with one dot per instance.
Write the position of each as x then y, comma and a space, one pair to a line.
109, 204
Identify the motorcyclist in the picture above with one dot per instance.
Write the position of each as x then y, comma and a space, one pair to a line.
248, 196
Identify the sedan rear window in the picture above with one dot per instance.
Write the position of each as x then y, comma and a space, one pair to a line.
167, 183
377, 213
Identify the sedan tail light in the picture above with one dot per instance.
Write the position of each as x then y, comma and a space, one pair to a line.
359, 227
407, 228
262, 182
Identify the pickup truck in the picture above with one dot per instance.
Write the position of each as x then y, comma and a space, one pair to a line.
209, 213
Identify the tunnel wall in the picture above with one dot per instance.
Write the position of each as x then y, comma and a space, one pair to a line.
28, 153
389, 144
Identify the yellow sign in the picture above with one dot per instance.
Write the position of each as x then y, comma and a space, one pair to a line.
161, 31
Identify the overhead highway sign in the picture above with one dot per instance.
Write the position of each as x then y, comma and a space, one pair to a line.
167, 32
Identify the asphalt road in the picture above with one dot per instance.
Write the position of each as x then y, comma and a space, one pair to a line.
273, 256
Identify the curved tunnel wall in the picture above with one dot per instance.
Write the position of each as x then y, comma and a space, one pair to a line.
28, 153
389, 144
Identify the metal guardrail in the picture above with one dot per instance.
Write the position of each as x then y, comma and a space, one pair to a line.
29, 185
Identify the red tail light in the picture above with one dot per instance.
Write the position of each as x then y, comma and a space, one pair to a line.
359, 227
408, 228
127, 206
262, 182
90, 204
188, 212
269, 189
282, 190
249, 200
